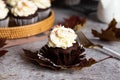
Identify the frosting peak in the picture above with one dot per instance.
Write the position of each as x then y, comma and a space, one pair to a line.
24, 8
42, 4
12, 3
62, 37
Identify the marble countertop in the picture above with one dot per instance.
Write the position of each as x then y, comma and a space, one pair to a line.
14, 67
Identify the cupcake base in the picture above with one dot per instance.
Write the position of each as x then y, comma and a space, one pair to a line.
21, 21
59, 56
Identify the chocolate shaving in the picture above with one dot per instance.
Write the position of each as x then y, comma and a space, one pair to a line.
110, 34
43, 61
73, 21
2, 43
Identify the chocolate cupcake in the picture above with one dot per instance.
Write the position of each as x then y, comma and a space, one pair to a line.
43, 8
62, 48
24, 13
4, 19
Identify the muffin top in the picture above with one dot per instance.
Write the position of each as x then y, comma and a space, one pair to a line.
62, 37
42, 4
3, 10
12, 3
24, 8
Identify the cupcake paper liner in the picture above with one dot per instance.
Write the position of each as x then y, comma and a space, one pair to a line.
43, 14
26, 21
44, 61
4, 23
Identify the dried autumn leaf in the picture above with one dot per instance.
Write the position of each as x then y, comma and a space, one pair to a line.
77, 27
2, 43
111, 33
42, 61
73, 21
3, 52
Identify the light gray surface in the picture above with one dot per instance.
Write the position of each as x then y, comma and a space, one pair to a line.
14, 67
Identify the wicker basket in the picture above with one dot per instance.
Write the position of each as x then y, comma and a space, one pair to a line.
27, 30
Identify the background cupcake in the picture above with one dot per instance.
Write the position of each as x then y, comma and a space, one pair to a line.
4, 19
43, 8
24, 12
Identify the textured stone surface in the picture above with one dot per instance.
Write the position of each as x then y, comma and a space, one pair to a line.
14, 67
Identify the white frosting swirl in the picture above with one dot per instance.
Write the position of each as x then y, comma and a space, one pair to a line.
42, 4
12, 2
62, 37
24, 8
3, 10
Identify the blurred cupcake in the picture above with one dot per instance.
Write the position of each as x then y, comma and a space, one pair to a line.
72, 2
43, 8
24, 13
4, 19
